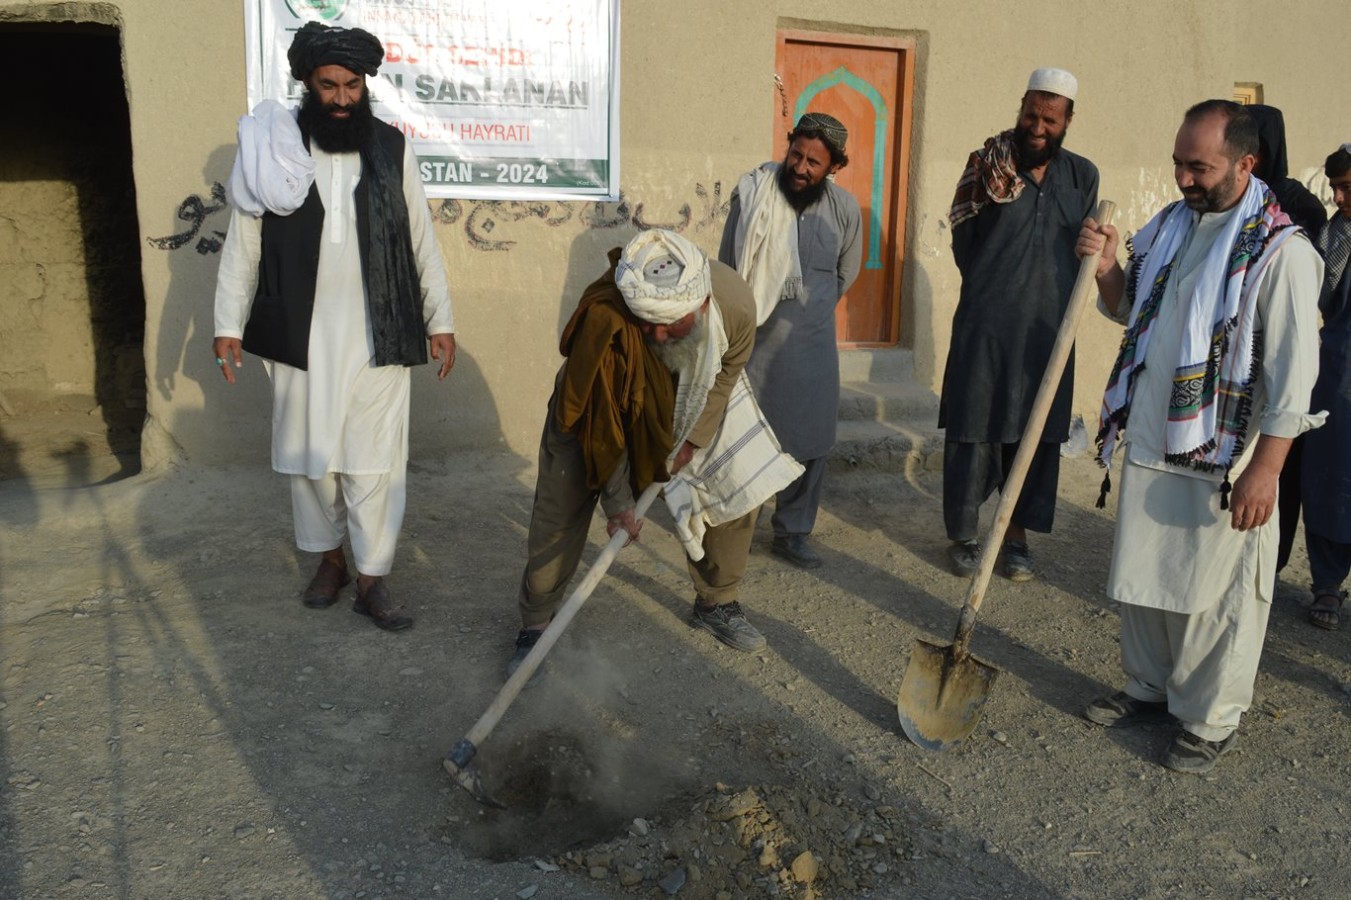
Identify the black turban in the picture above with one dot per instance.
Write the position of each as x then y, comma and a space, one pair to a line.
318, 45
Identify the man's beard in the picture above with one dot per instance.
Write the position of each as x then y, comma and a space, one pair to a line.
1214, 199
680, 356
799, 199
1029, 158
336, 135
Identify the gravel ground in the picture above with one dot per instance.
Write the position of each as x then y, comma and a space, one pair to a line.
173, 723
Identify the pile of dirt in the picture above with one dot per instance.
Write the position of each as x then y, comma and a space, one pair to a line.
803, 842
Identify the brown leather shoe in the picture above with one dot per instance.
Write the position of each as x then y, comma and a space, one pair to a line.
322, 591
377, 604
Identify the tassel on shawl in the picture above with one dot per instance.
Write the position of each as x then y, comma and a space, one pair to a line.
1225, 488
1104, 490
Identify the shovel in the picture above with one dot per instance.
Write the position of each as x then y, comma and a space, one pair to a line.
944, 690
458, 760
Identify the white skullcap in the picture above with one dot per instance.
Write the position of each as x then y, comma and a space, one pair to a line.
663, 276
1054, 81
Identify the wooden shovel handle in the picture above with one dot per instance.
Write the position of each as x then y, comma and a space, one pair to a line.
1084, 288
580, 594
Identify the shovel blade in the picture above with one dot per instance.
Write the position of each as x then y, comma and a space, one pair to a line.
468, 777
942, 698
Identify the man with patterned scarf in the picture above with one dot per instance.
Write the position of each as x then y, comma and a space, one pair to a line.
332, 275
1211, 385
618, 421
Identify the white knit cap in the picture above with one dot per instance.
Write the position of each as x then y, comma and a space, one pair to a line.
663, 276
1054, 81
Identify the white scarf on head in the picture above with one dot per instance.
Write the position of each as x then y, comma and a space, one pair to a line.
742, 467
766, 241
663, 303
273, 171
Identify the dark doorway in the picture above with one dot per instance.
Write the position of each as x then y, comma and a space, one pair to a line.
72, 304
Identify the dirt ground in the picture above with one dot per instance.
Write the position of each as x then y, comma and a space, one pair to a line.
173, 723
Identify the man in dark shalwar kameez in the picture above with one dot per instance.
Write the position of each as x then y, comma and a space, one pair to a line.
796, 239
1306, 211
1327, 462
1015, 219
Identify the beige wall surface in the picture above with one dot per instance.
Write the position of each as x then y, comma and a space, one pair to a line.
697, 93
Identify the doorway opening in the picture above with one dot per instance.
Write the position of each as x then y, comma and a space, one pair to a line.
72, 303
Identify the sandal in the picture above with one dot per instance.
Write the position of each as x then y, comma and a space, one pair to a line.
1326, 610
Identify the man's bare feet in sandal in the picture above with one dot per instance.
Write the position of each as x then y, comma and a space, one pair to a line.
1326, 610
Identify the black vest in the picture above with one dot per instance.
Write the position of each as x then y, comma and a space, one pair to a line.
279, 320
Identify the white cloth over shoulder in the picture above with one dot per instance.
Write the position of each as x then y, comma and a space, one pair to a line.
740, 468
766, 241
273, 171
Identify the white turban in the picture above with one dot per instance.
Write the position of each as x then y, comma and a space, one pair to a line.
1054, 81
663, 276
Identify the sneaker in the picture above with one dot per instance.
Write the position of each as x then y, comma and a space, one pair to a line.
965, 556
728, 624
1196, 755
1017, 561
795, 549
526, 640
1121, 710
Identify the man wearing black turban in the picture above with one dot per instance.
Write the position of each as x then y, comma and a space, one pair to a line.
339, 297
315, 45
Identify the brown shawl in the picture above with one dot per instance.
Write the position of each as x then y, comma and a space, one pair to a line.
616, 395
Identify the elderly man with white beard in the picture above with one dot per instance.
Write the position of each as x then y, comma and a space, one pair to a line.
653, 388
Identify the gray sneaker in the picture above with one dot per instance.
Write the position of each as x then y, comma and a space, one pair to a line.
526, 640
1196, 755
1121, 710
1018, 562
965, 556
728, 624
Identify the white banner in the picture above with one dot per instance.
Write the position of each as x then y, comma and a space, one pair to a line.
514, 99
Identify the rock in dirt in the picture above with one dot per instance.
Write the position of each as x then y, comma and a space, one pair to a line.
740, 840
804, 867
673, 882
528, 891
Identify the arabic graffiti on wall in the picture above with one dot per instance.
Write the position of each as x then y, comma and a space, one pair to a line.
486, 224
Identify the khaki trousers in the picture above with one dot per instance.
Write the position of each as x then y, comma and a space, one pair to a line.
561, 519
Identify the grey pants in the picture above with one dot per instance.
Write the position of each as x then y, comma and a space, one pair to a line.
972, 472
795, 506
561, 519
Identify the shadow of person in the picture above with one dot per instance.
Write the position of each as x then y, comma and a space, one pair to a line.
186, 321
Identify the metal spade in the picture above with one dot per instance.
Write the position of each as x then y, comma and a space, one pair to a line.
945, 689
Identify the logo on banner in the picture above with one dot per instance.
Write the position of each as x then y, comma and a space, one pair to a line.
328, 10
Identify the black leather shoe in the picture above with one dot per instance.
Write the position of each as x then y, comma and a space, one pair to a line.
795, 549
377, 604
322, 591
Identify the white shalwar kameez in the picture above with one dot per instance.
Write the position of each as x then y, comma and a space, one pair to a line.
1195, 593
340, 429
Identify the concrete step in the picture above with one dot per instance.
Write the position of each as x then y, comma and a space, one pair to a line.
887, 364
887, 401
903, 446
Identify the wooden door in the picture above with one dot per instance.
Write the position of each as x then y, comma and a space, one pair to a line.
865, 82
